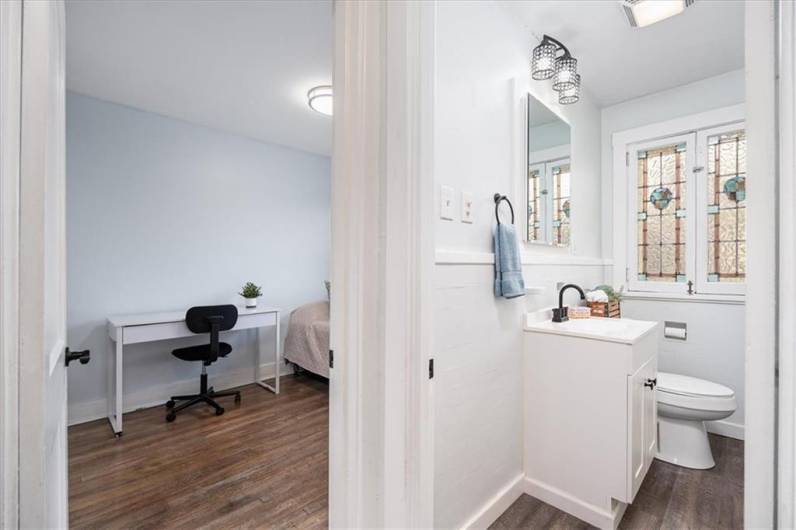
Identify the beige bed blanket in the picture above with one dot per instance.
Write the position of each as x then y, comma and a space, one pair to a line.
307, 342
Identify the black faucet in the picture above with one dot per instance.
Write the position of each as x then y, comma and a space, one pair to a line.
560, 312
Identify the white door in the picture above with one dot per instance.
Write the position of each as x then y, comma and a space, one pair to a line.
42, 271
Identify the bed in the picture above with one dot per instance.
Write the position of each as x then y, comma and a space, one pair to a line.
307, 342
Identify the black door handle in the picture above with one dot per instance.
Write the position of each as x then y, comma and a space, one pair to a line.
83, 356
651, 383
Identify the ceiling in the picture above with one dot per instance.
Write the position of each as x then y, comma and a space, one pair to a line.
239, 66
618, 62
540, 114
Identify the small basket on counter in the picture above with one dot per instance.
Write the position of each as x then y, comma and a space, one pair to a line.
605, 309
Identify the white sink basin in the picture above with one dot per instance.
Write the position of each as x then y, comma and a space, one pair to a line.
622, 330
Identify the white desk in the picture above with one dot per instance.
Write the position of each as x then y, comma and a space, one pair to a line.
149, 327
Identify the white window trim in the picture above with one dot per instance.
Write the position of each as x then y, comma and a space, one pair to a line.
545, 167
702, 284
623, 257
630, 179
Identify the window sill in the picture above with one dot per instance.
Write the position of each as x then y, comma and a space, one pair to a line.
732, 299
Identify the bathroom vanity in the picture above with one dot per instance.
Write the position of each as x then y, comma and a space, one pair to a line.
590, 413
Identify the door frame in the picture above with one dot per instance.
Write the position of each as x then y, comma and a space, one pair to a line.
764, 231
785, 16
381, 424
10, 134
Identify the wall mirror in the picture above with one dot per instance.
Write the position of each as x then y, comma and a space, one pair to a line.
549, 178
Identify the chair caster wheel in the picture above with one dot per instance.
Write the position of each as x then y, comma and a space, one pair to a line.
219, 411
170, 404
237, 398
171, 417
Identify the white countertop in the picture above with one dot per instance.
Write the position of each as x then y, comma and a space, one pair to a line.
622, 330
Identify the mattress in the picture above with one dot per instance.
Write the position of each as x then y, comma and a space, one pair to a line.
307, 342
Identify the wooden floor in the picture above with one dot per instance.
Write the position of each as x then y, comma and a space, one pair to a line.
670, 497
262, 464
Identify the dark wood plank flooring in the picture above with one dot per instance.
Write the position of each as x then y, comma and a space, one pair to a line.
670, 497
261, 464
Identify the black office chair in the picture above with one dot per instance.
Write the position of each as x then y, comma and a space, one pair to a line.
205, 319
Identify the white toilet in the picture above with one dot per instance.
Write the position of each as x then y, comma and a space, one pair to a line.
684, 405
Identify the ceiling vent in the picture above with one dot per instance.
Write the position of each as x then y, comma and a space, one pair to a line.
641, 13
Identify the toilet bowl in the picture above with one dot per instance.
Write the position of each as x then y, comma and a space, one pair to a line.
684, 405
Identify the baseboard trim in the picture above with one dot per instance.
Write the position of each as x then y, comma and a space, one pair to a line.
726, 428
498, 504
157, 395
576, 507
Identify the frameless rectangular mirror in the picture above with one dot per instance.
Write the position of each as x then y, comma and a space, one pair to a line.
548, 189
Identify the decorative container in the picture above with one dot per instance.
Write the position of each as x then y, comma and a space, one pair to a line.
251, 302
578, 312
605, 309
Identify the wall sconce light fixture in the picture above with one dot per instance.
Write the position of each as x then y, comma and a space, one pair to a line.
546, 63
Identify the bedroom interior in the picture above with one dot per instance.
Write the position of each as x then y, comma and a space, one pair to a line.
198, 175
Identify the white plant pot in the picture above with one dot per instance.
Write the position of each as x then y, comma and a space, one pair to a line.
251, 302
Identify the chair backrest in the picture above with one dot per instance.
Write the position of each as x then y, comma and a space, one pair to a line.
198, 318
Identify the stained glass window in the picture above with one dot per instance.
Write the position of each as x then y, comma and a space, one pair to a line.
726, 207
561, 203
661, 214
534, 204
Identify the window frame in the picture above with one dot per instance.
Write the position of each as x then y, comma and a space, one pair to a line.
631, 179
623, 232
702, 284
559, 156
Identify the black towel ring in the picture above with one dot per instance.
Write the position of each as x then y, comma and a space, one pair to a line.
498, 198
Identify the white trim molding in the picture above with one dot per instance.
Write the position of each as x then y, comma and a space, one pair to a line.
10, 97
582, 510
786, 113
762, 306
623, 232
467, 257
154, 396
380, 445
494, 507
726, 428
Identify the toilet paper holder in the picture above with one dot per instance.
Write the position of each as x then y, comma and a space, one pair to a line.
675, 330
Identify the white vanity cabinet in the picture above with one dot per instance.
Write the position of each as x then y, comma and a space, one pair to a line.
590, 413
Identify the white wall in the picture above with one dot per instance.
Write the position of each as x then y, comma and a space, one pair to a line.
163, 215
715, 346
478, 427
549, 135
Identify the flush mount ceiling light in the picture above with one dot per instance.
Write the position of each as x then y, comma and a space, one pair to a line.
320, 99
546, 63
641, 13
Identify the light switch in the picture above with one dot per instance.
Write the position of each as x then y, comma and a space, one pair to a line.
467, 207
446, 203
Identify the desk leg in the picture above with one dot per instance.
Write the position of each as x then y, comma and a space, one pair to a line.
115, 386
277, 361
277, 356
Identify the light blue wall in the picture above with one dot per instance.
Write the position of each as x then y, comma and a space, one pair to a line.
163, 215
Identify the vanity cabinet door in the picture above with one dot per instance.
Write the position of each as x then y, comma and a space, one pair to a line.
642, 419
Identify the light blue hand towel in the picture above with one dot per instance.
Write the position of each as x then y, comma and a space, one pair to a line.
508, 266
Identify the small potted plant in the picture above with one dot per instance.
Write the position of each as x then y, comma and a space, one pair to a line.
250, 293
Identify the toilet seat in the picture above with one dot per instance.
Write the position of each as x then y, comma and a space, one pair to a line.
693, 393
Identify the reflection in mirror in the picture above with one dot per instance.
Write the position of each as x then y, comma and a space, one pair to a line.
549, 176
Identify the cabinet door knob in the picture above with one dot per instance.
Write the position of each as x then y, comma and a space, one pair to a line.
651, 383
